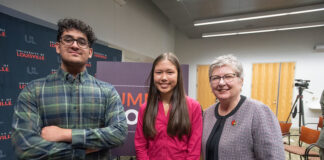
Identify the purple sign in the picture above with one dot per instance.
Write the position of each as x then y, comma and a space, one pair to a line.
131, 81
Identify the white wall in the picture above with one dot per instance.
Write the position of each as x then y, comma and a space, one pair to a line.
137, 26
286, 46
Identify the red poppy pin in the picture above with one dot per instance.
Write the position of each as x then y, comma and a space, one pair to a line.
233, 123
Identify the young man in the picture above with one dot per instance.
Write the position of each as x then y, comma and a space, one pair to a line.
69, 114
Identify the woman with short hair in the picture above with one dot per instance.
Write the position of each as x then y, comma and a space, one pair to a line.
237, 127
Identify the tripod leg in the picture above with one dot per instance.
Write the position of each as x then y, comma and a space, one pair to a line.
294, 105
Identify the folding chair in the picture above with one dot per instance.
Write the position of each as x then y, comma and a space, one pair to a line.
285, 129
308, 136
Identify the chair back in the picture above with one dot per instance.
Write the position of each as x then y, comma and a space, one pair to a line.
320, 122
308, 135
285, 127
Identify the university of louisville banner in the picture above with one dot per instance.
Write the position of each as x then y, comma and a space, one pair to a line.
130, 80
27, 52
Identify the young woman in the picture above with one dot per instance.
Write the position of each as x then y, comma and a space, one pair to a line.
169, 125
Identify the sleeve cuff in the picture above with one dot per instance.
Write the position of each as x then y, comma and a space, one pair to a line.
78, 138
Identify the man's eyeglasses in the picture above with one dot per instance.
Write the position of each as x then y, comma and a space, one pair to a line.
227, 78
69, 40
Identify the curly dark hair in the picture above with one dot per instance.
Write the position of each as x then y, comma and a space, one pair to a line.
70, 23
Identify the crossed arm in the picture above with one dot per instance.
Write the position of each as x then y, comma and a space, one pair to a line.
57, 134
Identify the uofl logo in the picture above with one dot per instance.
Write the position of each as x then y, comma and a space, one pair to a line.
52, 44
100, 55
2, 32
5, 102
53, 71
30, 55
29, 39
4, 68
5, 136
31, 70
22, 85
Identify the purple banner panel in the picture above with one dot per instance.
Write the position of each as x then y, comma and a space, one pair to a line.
131, 81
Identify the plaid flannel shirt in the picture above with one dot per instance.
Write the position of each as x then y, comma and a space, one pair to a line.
91, 108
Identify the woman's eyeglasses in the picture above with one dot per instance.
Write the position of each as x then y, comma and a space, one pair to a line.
227, 78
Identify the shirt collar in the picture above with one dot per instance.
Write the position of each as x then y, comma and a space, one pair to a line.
66, 76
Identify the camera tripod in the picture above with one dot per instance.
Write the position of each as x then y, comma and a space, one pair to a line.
301, 108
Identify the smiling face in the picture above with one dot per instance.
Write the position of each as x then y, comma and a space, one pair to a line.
73, 56
165, 77
226, 91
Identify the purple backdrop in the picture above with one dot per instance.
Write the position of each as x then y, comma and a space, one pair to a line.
130, 80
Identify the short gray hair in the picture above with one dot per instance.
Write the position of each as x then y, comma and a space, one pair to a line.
227, 60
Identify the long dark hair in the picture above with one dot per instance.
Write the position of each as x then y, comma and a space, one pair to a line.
179, 122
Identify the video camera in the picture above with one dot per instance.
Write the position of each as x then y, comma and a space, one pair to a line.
302, 83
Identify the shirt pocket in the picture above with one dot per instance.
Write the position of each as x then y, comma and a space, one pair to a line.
94, 111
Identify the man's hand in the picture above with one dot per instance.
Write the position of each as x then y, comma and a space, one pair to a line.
56, 134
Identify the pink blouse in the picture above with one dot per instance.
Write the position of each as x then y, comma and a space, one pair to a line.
164, 147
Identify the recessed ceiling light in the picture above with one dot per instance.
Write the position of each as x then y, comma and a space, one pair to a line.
261, 15
263, 30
